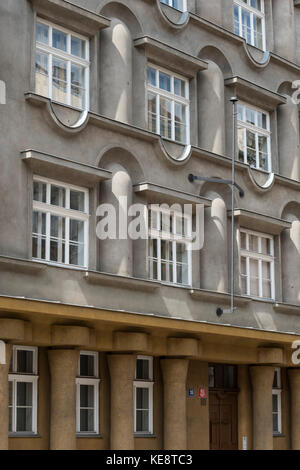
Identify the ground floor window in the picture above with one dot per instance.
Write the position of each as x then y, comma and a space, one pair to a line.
276, 402
143, 396
87, 393
22, 386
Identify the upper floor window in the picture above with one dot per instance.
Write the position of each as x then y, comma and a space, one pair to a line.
168, 104
177, 4
249, 21
60, 222
276, 402
87, 393
62, 65
170, 234
22, 397
254, 137
257, 264
143, 395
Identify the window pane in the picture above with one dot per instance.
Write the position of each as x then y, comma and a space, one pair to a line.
243, 241
151, 76
59, 40
142, 398
236, 20
42, 33
39, 191
241, 144
179, 87
253, 243
275, 423
250, 116
76, 255
267, 291
275, 403
57, 244
58, 196
77, 75
59, 89
76, 230
25, 361
41, 74
164, 81
142, 421
24, 393
39, 223
165, 118
151, 112
87, 396
24, 419
87, 365
78, 47
142, 369
87, 420
77, 200
243, 266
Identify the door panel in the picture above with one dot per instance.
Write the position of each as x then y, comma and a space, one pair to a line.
223, 420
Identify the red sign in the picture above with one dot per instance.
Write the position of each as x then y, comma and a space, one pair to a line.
202, 393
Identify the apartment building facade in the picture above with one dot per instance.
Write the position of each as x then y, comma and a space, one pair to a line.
113, 342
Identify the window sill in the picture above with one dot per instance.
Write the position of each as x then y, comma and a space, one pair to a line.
144, 435
23, 434
89, 436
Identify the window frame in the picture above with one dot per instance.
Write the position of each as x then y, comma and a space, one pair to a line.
253, 11
68, 57
257, 131
90, 381
278, 392
159, 235
169, 95
246, 253
15, 377
170, 3
50, 209
146, 384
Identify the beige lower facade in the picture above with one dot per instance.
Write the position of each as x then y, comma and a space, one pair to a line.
212, 386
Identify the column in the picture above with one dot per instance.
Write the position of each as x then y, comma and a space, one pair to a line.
116, 72
175, 423
284, 29
122, 373
291, 263
63, 370
116, 252
294, 380
4, 399
262, 378
215, 249
288, 139
211, 109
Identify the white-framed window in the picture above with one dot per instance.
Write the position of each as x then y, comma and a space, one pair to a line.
62, 65
276, 402
87, 393
257, 264
22, 385
60, 222
249, 22
177, 4
143, 395
168, 104
169, 253
254, 137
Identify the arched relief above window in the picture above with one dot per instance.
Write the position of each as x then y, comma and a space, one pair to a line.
123, 13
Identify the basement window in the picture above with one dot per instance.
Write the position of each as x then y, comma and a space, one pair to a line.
276, 402
87, 394
143, 396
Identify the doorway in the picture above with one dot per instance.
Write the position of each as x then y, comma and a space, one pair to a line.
223, 407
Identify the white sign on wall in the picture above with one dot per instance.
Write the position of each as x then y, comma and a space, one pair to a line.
2, 92
2, 353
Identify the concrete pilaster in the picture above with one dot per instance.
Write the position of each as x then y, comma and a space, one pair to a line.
4, 399
262, 378
63, 369
122, 372
294, 379
175, 423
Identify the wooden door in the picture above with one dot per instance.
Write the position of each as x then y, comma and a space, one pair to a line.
223, 420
